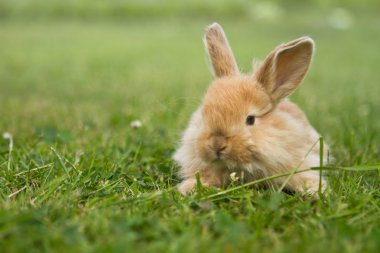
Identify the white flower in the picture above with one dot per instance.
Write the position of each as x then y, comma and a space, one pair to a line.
7, 136
136, 124
104, 183
233, 177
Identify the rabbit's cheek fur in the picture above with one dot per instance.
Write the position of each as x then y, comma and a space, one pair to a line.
241, 149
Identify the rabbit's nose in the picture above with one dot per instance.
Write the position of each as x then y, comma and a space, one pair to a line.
219, 143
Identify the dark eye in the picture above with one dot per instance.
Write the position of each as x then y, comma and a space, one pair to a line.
250, 120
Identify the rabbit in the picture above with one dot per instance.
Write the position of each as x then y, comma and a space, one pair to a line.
246, 124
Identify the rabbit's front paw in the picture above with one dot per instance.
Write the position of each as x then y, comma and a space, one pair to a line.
310, 187
186, 186
307, 184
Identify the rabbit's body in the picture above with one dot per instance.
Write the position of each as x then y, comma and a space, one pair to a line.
247, 125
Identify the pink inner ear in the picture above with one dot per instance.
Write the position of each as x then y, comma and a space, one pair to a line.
291, 65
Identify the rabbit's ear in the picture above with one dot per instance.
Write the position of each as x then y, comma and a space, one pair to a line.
219, 51
285, 67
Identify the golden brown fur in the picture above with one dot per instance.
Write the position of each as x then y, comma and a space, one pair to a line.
218, 141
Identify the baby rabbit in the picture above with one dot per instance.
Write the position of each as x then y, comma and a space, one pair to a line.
247, 125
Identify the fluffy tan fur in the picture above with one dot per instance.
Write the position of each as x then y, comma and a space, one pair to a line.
218, 141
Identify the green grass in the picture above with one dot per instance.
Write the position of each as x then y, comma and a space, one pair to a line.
81, 179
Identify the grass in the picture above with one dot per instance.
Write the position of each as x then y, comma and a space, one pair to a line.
81, 179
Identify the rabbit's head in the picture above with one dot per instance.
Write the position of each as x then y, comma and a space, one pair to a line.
237, 108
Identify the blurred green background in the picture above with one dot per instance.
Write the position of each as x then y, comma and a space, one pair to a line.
75, 74
241, 9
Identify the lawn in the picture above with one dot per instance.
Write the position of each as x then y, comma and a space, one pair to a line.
81, 179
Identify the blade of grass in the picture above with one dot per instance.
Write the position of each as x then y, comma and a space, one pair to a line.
16, 192
253, 183
349, 168
140, 198
321, 150
60, 160
34, 169
364, 168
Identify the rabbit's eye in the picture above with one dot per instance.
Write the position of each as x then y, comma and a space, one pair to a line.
250, 120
